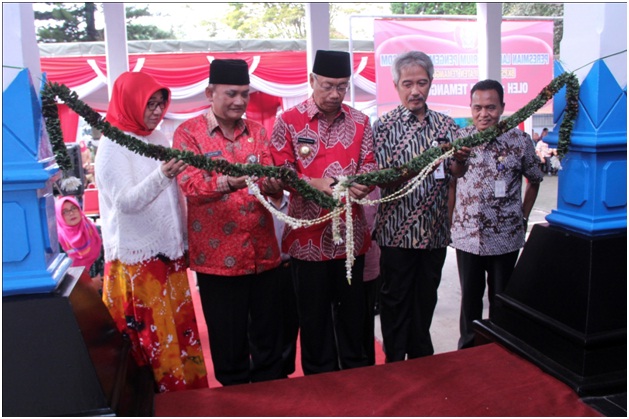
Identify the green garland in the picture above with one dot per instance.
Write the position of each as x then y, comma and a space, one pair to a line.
53, 91
565, 131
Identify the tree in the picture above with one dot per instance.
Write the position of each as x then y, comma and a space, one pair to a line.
211, 28
75, 22
90, 22
282, 20
267, 20
433, 8
68, 22
138, 32
362, 28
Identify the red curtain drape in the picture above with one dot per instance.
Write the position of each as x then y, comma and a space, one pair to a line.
276, 75
263, 109
69, 123
184, 69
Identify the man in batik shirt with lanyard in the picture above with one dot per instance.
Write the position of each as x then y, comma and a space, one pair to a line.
413, 231
322, 139
490, 218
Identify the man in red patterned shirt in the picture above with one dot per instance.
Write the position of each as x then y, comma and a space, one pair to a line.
232, 241
322, 139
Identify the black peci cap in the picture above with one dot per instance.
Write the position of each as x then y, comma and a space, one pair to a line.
333, 64
234, 72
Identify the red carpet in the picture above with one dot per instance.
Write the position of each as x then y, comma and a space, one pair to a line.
206, 346
484, 381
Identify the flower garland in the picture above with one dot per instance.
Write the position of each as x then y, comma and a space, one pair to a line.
339, 192
422, 164
53, 91
293, 222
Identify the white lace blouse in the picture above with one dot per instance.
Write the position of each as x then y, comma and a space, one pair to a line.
140, 208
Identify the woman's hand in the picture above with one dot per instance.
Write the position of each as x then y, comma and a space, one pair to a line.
173, 167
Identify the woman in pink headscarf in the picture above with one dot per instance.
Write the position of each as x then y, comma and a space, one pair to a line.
78, 236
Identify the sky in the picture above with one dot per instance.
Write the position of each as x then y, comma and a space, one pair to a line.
186, 18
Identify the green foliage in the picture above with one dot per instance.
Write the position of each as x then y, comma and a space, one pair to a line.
433, 8
211, 28
75, 22
137, 32
67, 22
53, 91
267, 20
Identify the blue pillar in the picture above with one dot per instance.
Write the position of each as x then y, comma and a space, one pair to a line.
565, 306
31, 261
64, 355
592, 194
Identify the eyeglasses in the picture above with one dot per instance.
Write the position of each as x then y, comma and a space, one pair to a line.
153, 105
69, 211
328, 87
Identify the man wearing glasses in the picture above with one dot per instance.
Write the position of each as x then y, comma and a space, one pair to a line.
321, 139
413, 232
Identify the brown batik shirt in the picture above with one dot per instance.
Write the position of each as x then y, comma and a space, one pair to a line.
487, 217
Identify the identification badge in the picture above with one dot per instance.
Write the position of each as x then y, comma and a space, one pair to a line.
440, 172
500, 189
213, 154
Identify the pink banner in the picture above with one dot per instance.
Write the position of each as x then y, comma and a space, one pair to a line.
527, 61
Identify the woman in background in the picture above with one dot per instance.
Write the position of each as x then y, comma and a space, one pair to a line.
79, 237
146, 285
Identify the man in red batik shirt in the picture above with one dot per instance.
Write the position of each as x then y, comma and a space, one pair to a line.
322, 139
232, 241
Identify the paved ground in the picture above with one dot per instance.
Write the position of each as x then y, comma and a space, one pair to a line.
445, 324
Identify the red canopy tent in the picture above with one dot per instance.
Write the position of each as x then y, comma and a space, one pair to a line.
279, 79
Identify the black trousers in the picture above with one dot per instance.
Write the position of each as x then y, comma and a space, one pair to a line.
372, 289
244, 326
410, 279
331, 315
472, 270
289, 316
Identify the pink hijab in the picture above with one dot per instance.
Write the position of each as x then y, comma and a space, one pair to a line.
81, 242
129, 97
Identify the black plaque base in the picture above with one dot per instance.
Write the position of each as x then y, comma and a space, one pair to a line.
63, 356
565, 309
